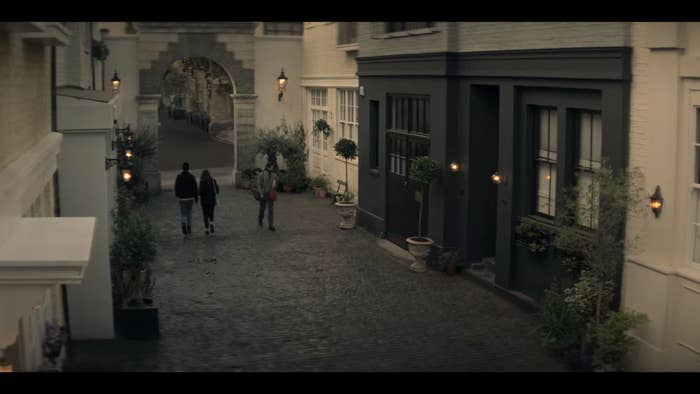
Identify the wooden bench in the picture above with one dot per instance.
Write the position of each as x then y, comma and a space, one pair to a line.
338, 195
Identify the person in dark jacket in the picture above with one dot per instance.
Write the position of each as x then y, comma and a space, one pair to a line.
267, 180
186, 191
208, 189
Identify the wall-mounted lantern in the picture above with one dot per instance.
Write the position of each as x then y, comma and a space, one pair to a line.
116, 82
362, 91
126, 174
498, 179
455, 167
281, 84
129, 153
656, 201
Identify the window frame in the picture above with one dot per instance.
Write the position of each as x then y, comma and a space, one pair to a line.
534, 116
318, 104
344, 109
391, 27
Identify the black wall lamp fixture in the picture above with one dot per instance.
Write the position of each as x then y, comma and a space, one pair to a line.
656, 201
116, 83
455, 167
281, 84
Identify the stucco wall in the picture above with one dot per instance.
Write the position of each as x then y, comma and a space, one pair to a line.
325, 65
660, 278
272, 53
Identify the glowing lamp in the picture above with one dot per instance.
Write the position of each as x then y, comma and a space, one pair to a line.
282, 84
116, 82
126, 175
455, 167
656, 201
497, 178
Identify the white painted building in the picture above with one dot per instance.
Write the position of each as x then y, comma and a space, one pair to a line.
39, 252
331, 91
662, 278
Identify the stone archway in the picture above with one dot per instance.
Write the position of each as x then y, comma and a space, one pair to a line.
231, 45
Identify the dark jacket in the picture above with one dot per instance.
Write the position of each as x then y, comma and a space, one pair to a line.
208, 192
186, 186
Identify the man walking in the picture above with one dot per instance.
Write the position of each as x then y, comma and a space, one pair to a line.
186, 191
267, 181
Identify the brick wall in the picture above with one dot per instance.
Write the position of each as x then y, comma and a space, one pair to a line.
25, 95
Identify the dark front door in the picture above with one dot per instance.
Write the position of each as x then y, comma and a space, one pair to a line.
402, 204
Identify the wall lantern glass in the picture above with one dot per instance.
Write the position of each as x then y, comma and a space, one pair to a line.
282, 84
129, 153
497, 178
455, 167
656, 201
116, 82
126, 174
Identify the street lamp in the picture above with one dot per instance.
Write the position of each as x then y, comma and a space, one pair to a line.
282, 84
116, 82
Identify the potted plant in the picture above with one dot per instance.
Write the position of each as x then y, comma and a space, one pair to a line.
100, 51
347, 149
320, 185
132, 251
321, 126
55, 338
423, 170
448, 261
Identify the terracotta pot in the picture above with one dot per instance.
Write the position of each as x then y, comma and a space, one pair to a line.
319, 192
419, 247
346, 210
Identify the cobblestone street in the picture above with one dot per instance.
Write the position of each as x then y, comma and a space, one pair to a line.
309, 297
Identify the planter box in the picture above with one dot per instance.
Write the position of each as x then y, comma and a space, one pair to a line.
139, 323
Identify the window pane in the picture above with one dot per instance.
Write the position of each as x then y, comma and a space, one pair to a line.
587, 214
546, 188
697, 164
597, 141
585, 137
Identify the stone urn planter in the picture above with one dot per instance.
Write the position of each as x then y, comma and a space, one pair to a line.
346, 210
419, 247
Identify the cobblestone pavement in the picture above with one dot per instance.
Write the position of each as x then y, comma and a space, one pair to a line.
310, 297
179, 141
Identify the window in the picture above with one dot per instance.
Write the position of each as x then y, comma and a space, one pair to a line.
374, 134
347, 110
319, 110
588, 161
409, 113
284, 28
347, 33
406, 115
545, 132
696, 185
402, 26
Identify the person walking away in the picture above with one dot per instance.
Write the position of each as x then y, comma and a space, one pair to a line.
208, 191
267, 181
186, 191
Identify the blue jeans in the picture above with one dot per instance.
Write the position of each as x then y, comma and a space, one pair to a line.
186, 214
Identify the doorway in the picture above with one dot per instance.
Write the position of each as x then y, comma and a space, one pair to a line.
483, 162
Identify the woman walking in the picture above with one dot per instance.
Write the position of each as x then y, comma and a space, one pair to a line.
208, 191
267, 182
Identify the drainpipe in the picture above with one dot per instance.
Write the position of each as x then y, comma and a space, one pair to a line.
92, 58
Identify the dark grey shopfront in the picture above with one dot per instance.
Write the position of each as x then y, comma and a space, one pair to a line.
525, 114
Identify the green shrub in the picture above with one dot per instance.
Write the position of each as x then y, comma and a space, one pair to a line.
134, 244
534, 234
424, 170
611, 343
321, 126
560, 328
320, 181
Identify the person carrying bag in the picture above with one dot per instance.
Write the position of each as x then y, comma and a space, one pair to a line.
208, 193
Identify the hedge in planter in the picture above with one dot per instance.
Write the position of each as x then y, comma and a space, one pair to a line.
347, 149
